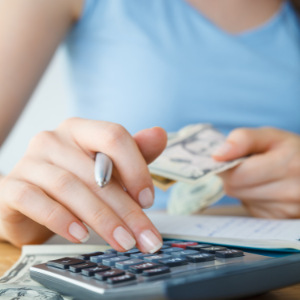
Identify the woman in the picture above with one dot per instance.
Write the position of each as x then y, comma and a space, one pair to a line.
143, 63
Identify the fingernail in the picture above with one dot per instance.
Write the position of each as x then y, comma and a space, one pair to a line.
146, 198
223, 150
78, 232
150, 241
123, 238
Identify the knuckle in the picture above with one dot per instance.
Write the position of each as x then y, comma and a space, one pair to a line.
293, 193
42, 140
64, 182
241, 134
52, 216
68, 123
291, 211
133, 216
99, 216
23, 194
115, 134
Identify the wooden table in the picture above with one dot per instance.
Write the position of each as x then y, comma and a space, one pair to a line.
9, 255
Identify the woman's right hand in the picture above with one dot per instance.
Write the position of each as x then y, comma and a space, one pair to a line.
52, 188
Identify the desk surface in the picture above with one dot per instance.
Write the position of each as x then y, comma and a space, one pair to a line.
10, 254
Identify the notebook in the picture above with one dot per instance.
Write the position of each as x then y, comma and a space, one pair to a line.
246, 232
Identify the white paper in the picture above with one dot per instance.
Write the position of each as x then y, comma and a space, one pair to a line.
227, 227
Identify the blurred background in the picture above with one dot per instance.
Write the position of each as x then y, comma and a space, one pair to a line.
51, 98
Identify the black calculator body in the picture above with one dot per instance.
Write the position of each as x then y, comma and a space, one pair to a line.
180, 270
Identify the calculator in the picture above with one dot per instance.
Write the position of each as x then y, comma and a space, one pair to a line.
179, 270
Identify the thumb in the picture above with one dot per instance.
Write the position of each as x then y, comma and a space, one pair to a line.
151, 142
245, 141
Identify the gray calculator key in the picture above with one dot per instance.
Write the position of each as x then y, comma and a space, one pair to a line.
213, 249
112, 261
184, 253
64, 263
140, 255
229, 253
120, 279
170, 250
171, 242
99, 258
111, 251
156, 258
201, 257
89, 255
110, 273
124, 265
141, 267
165, 246
197, 247
129, 252
156, 271
173, 262
78, 268
92, 271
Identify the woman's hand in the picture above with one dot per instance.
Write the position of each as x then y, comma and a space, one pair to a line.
268, 182
52, 188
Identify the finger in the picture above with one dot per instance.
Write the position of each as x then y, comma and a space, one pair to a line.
69, 189
273, 210
286, 190
113, 195
36, 205
245, 141
73, 194
118, 144
151, 142
258, 169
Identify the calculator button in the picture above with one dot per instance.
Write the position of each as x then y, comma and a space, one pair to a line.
173, 262
141, 267
229, 253
171, 242
170, 250
156, 271
64, 263
183, 245
112, 261
201, 257
111, 251
92, 271
165, 246
124, 265
184, 253
128, 253
99, 258
111, 273
89, 255
212, 249
140, 255
198, 247
78, 268
122, 278
156, 258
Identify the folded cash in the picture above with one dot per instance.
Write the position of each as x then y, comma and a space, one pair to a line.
188, 157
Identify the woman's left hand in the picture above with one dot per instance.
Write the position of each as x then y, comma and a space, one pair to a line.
268, 182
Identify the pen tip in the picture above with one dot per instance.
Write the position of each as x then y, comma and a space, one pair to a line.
102, 183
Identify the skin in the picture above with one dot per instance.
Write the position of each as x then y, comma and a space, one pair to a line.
53, 186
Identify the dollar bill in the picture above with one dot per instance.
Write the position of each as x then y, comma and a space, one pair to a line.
16, 282
186, 199
188, 156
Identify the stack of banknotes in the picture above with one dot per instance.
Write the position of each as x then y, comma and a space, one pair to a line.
187, 164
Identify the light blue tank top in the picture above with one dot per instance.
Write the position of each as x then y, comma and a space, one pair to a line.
145, 63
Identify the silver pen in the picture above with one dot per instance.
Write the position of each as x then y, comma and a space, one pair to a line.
103, 169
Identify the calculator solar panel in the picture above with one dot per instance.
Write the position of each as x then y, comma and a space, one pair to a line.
180, 270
